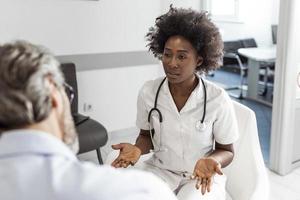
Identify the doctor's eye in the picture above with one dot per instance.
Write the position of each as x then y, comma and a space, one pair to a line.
167, 55
182, 57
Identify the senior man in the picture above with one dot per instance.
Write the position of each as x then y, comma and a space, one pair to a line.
38, 140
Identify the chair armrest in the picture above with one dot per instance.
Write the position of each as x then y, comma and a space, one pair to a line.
236, 57
230, 55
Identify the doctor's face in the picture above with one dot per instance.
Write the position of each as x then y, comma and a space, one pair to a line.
180, 59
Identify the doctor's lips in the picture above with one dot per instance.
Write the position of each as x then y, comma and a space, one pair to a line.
172, 74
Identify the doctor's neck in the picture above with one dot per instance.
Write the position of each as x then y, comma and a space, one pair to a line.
184, 88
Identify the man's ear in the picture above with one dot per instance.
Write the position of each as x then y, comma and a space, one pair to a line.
55, 95
199, 60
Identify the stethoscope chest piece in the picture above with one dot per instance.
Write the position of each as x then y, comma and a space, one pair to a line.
200, 126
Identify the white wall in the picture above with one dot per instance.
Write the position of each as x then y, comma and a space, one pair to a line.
256, 17
76, 27
256, 20
296, 137
80, 27
298, 83
113, 93
275, 11
295, 48
194, 4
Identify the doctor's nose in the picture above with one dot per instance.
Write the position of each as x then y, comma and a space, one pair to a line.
173, 62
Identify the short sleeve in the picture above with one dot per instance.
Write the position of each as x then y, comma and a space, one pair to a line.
225, 127
142, 113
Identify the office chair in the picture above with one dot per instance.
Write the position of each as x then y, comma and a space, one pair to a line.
91, 134
232, 58
231, 53
247, 178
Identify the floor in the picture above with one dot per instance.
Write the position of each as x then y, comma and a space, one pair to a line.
281, 187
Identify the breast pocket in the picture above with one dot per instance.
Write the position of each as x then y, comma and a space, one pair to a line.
202, 132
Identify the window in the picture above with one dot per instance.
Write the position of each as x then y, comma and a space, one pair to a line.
222, 10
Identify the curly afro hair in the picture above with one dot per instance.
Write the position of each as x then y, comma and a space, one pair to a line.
196, 27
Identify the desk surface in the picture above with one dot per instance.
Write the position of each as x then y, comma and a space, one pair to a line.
262, 54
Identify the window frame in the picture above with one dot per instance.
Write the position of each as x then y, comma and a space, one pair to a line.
235, 18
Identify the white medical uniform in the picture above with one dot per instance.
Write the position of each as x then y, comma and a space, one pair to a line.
38, 166
180, 138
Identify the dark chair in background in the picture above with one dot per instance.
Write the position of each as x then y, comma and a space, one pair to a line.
248, 43
233, 60
91, 134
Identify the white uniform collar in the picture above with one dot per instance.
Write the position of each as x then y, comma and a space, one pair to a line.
24, 141
196, 96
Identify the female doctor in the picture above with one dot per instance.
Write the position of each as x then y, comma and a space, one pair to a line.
187, 122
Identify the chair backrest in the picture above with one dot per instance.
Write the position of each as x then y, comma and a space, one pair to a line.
231, 47
274, 33
247, 176
248, 42
69, 71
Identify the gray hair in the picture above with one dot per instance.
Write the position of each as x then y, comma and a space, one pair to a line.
24, 94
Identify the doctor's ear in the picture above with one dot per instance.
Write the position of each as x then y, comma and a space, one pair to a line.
199, 61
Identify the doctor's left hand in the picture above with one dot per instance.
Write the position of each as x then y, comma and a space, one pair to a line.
204, 172
129, 155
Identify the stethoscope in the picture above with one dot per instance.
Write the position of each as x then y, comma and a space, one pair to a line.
200, 125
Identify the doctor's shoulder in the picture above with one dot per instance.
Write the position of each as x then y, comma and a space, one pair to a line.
215, 92
105, 182
150, 87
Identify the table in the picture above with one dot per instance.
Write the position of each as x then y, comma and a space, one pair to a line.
255, 56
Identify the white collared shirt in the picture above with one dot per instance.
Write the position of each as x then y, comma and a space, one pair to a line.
179, 136
38, 166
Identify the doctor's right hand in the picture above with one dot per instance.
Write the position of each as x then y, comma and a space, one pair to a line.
129, 155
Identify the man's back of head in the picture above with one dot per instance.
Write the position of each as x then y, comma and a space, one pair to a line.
36, 130
25, 96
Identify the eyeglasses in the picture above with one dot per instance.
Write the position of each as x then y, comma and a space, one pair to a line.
69, 91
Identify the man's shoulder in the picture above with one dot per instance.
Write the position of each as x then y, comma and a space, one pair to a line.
105, 182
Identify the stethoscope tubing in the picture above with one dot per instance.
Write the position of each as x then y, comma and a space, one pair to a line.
160, 114
158, 111
155, 103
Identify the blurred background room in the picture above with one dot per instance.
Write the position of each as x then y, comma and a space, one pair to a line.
106, 38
